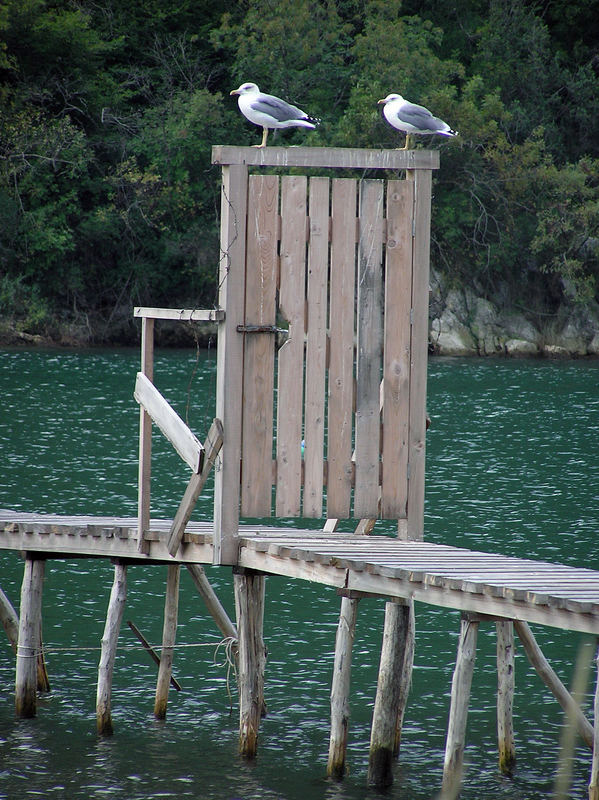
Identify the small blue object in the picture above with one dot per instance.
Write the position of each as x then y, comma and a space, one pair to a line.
303, 446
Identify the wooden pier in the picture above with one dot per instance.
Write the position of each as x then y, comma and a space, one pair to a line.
482, 585
320, 412
450, 577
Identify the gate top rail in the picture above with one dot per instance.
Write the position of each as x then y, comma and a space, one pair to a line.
329, 157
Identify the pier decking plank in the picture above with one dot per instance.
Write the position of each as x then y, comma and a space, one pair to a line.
451, 577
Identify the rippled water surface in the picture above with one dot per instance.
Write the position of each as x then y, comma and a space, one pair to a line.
512, 466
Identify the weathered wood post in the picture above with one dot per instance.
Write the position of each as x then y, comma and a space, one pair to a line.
249, 605
229, 372
169, 633
29, 637
9, 620
422, 182
112, 627
505, 696
43, 682
392, 690
594, 782
145, 437
340, 687
10, 623
458, 712
552, 681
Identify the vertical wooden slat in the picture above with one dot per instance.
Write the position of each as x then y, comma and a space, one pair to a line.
259, 348
145, 437
370, 330
422, 180
230, 361
396, 374
341, 347
291, 355
316, 346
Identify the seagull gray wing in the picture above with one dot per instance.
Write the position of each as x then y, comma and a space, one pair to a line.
277, 108
420, 117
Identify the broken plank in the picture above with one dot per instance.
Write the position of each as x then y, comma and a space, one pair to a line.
169, 422
212, 446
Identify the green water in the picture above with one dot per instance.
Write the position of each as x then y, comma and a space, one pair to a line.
511, 466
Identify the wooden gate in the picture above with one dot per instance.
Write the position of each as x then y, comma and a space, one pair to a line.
322, 352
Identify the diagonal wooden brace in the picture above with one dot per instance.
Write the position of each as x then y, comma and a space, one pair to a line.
212, 446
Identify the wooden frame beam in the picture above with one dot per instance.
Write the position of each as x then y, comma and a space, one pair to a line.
212, 446
328, 157
180, 315
170, 423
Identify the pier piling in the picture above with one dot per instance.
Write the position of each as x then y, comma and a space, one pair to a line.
458, 711
505, 696
9, 620
340, 687
249, 605
114, 616
552, 681
26, 680
169, 633
392, 690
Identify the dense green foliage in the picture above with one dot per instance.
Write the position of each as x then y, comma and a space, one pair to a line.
109, 110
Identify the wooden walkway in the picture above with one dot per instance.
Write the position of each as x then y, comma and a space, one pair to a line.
482, 583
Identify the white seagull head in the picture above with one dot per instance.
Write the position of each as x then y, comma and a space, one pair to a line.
246, 88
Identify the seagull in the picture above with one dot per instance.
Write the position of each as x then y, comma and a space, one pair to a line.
410, 118
269, 111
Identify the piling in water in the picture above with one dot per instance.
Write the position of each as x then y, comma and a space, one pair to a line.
392, 690
340, 687
505, 696
249, 605
29, 638
460, 698
169, 632
114, 616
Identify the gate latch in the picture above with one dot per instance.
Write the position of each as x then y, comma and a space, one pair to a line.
260, 329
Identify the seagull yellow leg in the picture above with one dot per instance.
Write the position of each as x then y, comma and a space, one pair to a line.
264, 135
407, 143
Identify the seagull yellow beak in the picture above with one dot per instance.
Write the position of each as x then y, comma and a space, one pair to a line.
235, 91
378, 102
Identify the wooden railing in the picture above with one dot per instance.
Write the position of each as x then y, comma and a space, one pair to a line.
154, 408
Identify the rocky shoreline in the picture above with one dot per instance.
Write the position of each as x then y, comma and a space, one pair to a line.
461, 323
464, 324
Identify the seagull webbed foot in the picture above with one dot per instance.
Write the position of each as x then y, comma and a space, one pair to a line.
264, 137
